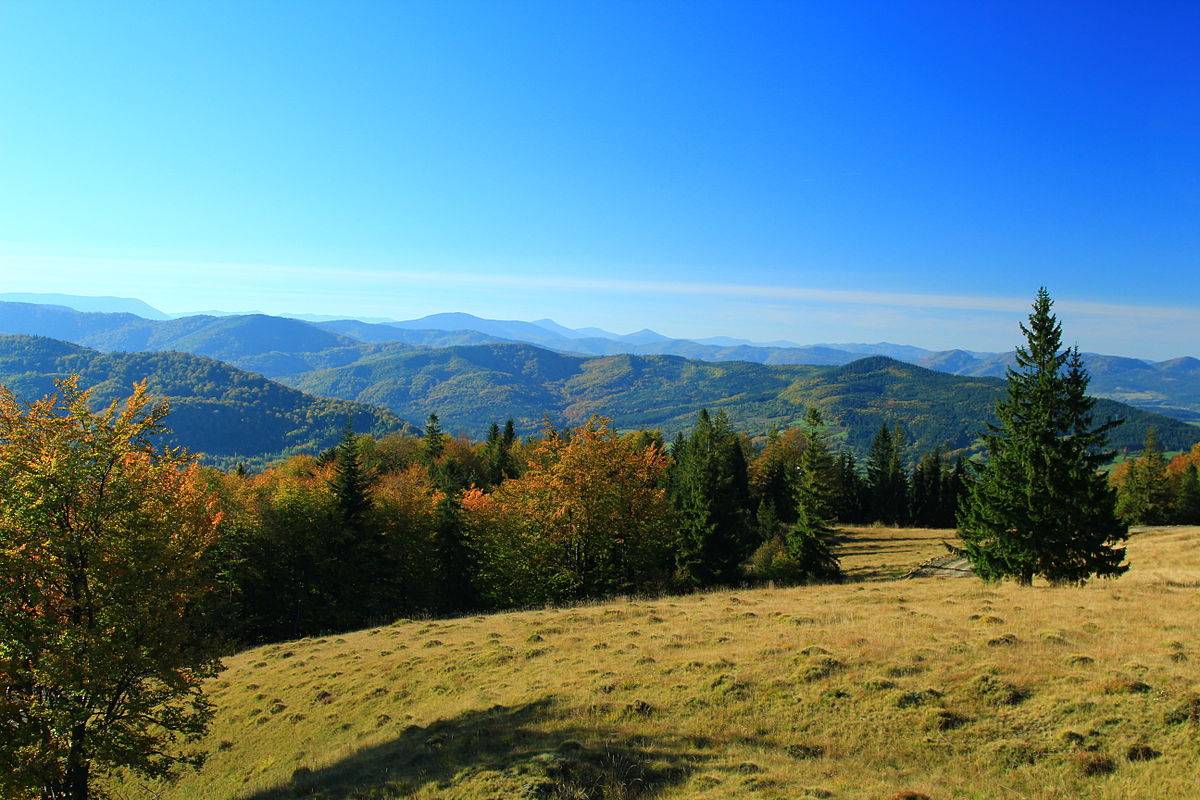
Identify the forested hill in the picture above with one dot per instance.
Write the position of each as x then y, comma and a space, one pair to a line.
471, 386
223, 412
280, 347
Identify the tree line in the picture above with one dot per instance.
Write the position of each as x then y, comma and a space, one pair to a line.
436, 524
1155, 490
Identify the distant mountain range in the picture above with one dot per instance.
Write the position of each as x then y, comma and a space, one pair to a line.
472, 371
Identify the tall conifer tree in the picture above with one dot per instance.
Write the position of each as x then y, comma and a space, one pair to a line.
710, 489
1039, 505
809, 541
886, 479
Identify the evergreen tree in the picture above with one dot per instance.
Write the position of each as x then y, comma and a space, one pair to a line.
710, 490
1187, 503
351, 484
774, 478
809, 539
1039, 505
1145, 496
886, 481
767, 520
928, 484
360, 584
455, 562
953, 490
433, 445
849, 489
493, 457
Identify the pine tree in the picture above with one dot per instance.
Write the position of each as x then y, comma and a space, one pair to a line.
928, 484
887, 483
1145, 496
810, 538
455, 562
954, 489
493, 457
351, 484
849, 489
1039, 505
1187, 503
360, 585
710, 490
433, 445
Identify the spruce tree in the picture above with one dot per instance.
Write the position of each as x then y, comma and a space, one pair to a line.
887, 483
774, 483
1039, 505
456, 565
710, 490
1187, 502
493, 457
1145, 496
850, 490
928, 484
350, 483
953, 490
508, 464
360, 584
809, 541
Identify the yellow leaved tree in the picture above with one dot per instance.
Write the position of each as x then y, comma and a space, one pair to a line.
103, 577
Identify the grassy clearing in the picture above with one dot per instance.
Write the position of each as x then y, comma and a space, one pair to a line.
881, 553
948, 688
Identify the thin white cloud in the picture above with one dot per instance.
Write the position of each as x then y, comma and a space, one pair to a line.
249, 279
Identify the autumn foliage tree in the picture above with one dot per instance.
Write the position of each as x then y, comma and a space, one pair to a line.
103, 578
588, 518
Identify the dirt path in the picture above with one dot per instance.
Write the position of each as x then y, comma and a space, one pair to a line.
947, 566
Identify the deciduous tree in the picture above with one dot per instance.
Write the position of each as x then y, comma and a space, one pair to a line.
104, 647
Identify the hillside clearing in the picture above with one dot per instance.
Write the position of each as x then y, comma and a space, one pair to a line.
951, 688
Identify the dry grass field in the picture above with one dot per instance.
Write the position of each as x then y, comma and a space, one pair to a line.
946, 688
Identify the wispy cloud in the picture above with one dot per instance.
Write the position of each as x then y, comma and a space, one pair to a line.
247, 277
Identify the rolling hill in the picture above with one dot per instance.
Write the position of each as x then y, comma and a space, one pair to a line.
225, 413
469, 387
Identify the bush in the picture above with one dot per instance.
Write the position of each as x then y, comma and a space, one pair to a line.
771, 563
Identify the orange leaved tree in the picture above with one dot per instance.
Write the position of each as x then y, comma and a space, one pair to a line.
588, 518
103, 652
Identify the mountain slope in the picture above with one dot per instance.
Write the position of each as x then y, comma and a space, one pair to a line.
217, 410
469, 387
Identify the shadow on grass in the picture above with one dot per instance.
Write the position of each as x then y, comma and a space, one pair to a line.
508, 749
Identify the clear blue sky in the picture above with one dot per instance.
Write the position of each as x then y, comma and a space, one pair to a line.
811, 171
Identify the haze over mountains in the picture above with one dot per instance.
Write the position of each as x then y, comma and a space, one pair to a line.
253, 387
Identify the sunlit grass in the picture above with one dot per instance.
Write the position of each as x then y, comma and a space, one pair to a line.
946, 687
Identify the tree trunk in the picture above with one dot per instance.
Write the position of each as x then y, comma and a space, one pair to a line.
77, 770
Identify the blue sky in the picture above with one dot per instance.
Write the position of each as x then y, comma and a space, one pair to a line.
817, 172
